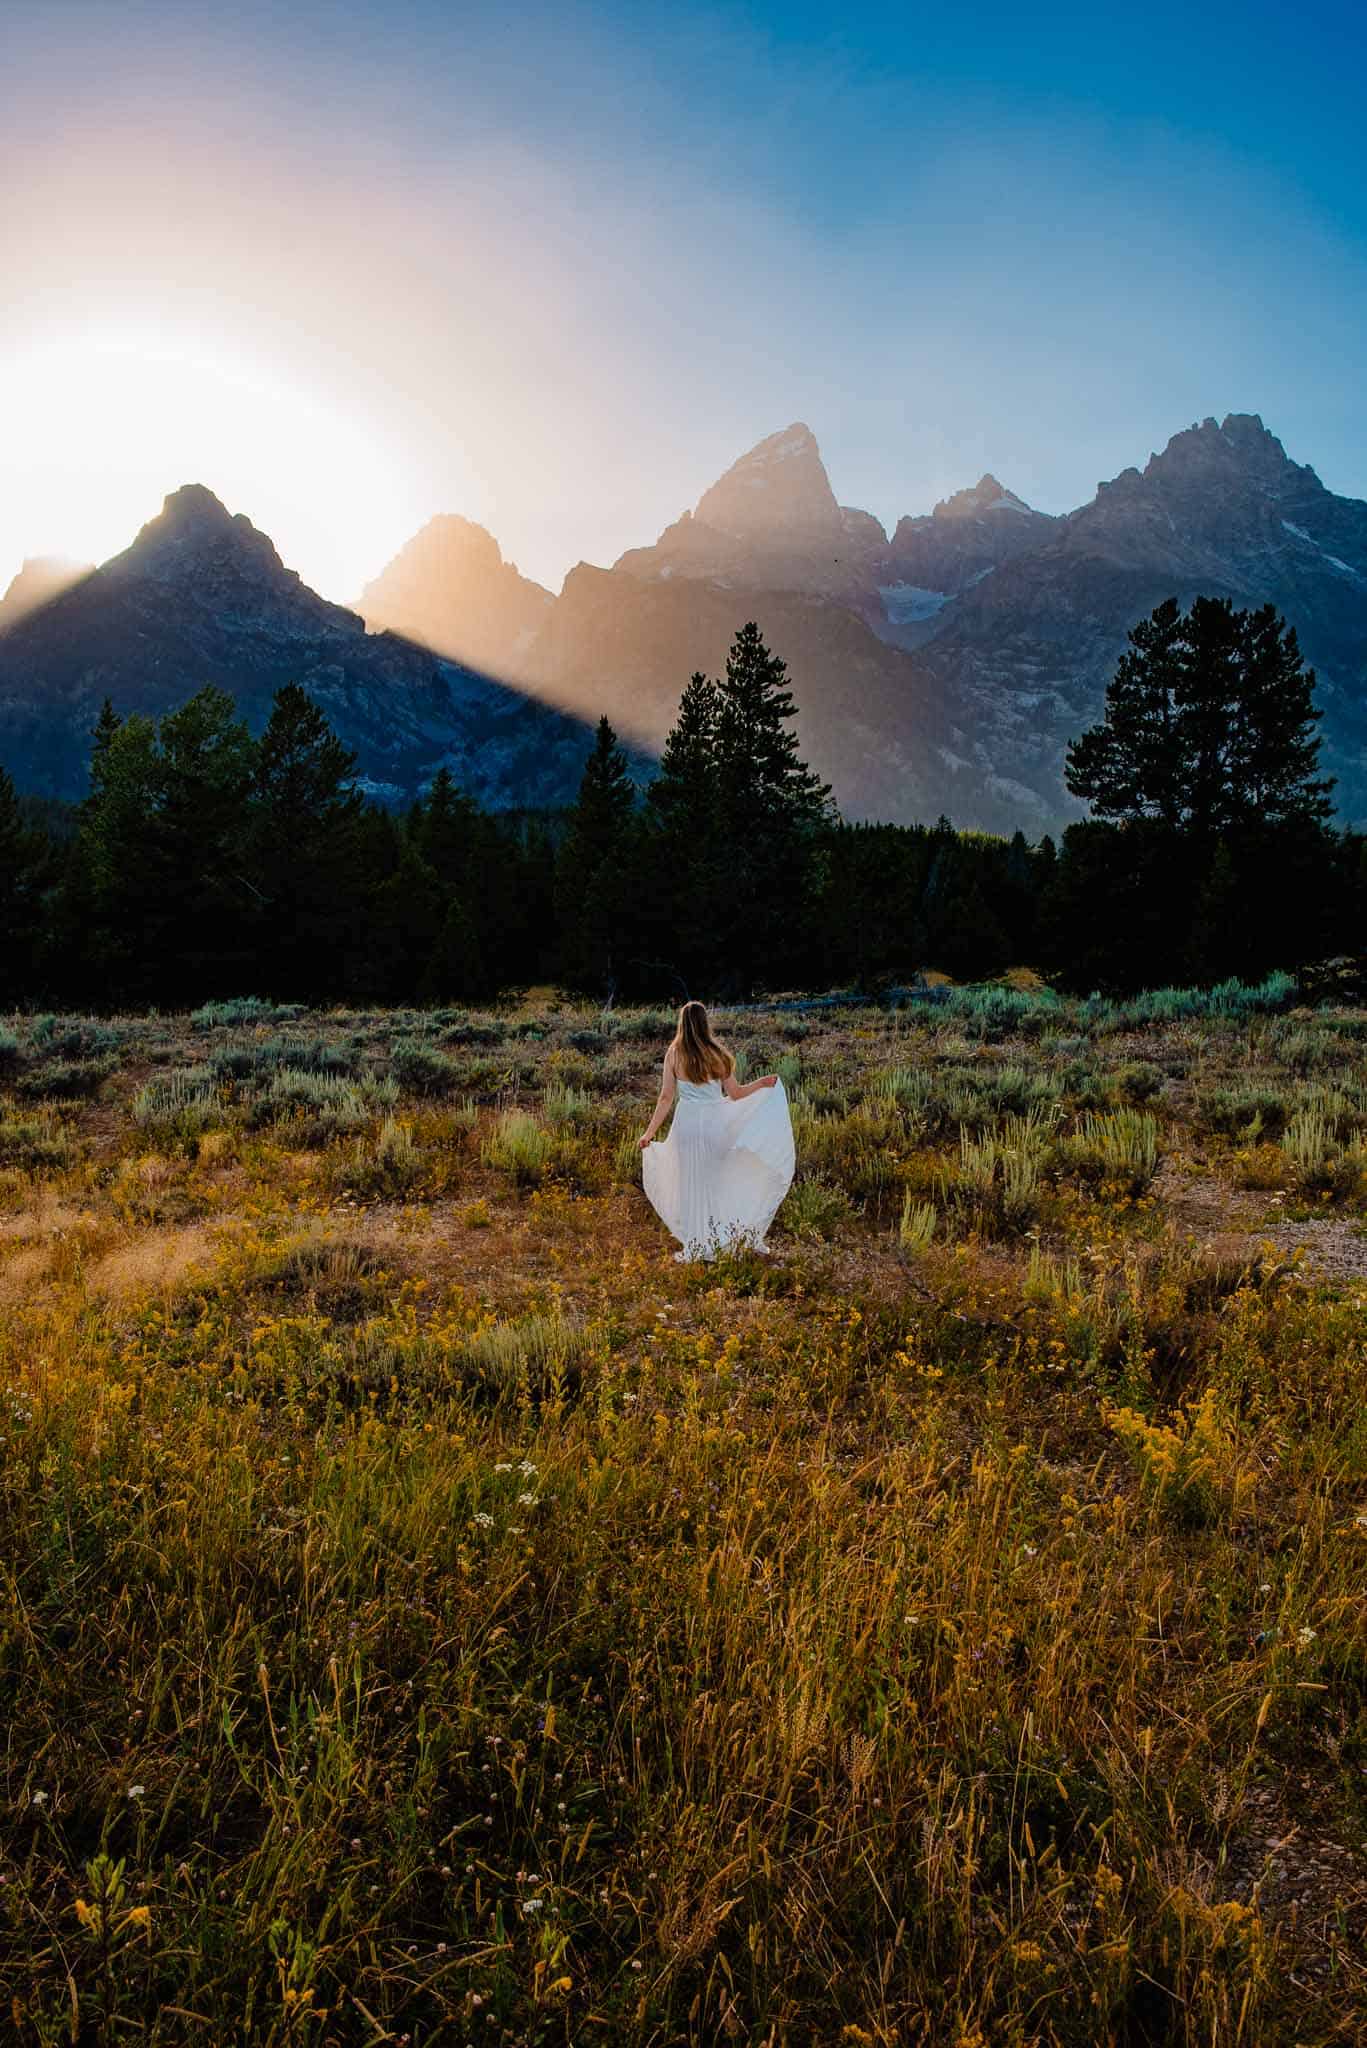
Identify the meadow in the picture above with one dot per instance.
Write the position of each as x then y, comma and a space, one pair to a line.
428, 1614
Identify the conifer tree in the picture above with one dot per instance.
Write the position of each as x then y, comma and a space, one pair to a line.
22, 852
771, 807
1132, 765
304, 870
1209, 724
1274, 748
594, 881
687, 866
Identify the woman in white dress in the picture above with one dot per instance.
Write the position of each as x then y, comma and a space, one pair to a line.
727, 1163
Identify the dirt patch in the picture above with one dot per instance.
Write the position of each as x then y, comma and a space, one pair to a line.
1235, 1222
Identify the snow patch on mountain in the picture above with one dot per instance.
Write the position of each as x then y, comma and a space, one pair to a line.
906, 604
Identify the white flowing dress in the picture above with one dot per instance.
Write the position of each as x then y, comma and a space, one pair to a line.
719, 1176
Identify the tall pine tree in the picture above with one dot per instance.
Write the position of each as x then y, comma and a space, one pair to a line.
771, 808
687, 873
303, 874
1209, 724
594, 883
23, 854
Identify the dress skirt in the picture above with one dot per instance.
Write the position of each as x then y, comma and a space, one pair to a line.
719, 1176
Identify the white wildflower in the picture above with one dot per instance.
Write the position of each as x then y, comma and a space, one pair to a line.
484, 1521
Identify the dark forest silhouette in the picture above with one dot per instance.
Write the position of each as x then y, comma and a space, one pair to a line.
205, 861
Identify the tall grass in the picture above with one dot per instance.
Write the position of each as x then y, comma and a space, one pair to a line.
422, 1600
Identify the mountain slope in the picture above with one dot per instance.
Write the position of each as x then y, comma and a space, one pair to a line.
1025, 654
620, 645
944, 668
202, 596
450, 589
41, 578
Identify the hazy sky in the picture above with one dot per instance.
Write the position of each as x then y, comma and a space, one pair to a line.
556, 267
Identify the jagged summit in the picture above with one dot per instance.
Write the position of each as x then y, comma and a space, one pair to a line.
196, 541
987, 495
1236, 452
450, 588
201, 596
194, 505
779, 485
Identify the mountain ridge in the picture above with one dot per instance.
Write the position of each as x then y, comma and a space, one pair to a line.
201, 595
942, 667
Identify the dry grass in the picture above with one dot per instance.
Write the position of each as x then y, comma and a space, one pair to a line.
426, 1611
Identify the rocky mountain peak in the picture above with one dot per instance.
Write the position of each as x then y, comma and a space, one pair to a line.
195, 535
448, 546
780, 486
1238, 448
450, 589
41, 578
987, 495
193, 509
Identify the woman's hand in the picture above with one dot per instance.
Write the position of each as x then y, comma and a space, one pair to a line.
768, 1081
648, 1139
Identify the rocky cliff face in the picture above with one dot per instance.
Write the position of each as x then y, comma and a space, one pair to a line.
202, 596
936, 557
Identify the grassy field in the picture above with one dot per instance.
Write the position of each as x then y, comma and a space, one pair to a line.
430, 1615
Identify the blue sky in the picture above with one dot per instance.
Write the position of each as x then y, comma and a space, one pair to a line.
561, 266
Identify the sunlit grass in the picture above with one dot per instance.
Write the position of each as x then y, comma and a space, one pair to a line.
427, 1610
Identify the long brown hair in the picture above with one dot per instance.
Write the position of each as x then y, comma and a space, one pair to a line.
698, 1054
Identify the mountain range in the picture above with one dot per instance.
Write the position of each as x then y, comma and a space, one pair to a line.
942, 667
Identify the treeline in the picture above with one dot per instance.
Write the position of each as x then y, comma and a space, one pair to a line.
206, 860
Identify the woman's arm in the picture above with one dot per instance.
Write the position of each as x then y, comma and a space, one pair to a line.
664, 1103
738, 1090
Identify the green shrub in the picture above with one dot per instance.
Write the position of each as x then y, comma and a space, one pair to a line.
33, 1141
9, 1051
995, 1184
476, 1031
520, 1146
422, 1070
594, 1043
633, 1025
816, 1207
918, 1224
65, 1078
182, 1103
1322, 1161
1119, 1148
238, 1011
566, 1105
1241, 1111
295, 1090
1139, 1080
390, 1163
77, 1038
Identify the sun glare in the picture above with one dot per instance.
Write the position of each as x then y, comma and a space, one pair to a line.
94, 433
